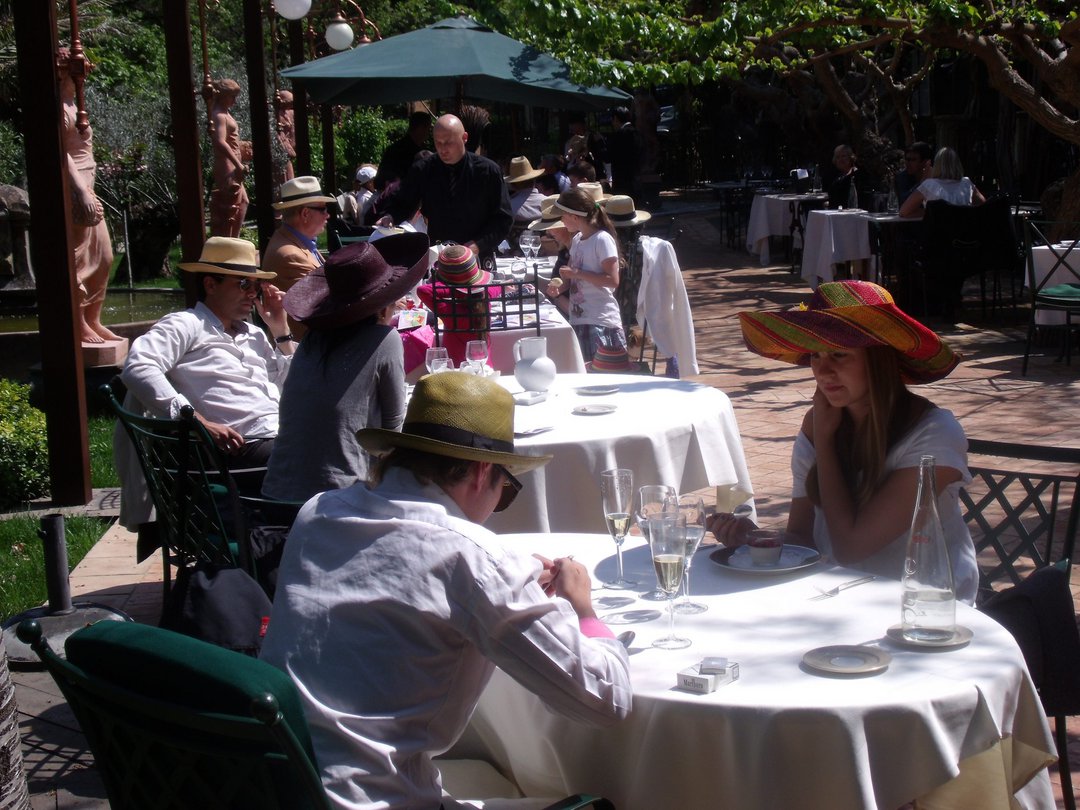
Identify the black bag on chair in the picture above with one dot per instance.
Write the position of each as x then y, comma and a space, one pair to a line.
223, 606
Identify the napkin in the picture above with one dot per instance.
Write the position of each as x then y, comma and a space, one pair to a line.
800, 174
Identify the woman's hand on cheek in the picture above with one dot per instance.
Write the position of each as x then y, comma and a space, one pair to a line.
826, 417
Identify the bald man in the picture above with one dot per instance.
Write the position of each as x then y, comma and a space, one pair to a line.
461, 194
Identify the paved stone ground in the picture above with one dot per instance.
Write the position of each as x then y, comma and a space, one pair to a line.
987, 393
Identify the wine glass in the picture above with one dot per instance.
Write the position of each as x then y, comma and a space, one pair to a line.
436, 359
617, 491
692, 508
525, 243
667, 541
476, 352
651, 501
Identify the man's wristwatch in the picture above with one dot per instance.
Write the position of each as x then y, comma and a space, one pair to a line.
284, 339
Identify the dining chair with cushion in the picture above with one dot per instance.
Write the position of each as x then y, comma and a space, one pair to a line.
195, 496
1053, 279
175, 722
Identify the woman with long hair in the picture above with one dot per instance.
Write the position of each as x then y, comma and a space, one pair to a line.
855, 463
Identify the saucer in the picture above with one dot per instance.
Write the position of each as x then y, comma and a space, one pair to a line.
598, 390
960, 638
847, 659
593, 410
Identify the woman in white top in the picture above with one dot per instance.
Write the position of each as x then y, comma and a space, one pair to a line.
856, 459
947, 182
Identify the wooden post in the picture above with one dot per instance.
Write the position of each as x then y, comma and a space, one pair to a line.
186, 144
260, 120
301, 115
50, 224
329, 182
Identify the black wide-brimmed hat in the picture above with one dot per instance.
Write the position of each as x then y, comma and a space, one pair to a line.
358, 280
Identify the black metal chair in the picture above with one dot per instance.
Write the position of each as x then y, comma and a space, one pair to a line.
1015, 506
472, 312
1049, 292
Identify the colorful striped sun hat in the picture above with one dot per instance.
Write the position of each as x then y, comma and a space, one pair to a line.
457, 267
849, 315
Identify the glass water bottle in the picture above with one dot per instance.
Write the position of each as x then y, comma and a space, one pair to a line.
928, 606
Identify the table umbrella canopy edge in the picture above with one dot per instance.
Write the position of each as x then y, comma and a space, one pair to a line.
456, 57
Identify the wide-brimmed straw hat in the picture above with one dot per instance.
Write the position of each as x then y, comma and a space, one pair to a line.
457, 415
849, 315
521, 170
594, 190
358, 280
224, 255
620, 210
300, 191
550, 216
457, 267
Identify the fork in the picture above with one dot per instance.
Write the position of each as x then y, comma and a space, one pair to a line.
843, 586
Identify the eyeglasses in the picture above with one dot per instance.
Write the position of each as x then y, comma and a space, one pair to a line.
320, 208
246, 284
510, 489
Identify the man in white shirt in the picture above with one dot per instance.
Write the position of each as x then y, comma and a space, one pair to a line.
214, 359
394, 605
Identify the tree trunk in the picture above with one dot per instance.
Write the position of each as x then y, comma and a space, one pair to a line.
13, 791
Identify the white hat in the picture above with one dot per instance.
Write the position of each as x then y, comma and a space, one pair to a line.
301, 191
365, 174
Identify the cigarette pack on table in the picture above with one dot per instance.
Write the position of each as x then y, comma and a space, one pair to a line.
696, 679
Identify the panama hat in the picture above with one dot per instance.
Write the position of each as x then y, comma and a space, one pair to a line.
550, 216
594, 190
457, 267
521, 170
226, 256
457, 415
300, 191
358, 280
849, 315
620, 210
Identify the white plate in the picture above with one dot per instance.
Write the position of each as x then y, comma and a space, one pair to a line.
847, 659
960, 638
598, 390
792, 558
593, 410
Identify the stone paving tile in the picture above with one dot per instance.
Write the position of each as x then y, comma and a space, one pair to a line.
987, 393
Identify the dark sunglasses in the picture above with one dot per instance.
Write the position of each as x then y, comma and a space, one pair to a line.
319, 208
510, 489
246, 284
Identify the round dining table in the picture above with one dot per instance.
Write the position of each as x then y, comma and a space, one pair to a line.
833, 236
956, 727
665, 431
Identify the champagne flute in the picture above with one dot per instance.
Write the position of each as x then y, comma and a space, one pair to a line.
667, 541
476, 352
617, 492
692, 508
651, 501
436, 359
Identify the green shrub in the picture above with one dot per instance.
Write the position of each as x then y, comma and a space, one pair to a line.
24, 456
12, 161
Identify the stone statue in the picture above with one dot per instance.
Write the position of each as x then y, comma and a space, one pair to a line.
286, 135
89, 235
228, 200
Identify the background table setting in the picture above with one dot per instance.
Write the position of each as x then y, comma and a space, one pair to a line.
671, 432
804, 724
771, 215
833, 236
1064, 259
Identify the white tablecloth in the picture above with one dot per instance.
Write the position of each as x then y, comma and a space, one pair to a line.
780, 736
1043, 258
770, 215
833, 236
667, 431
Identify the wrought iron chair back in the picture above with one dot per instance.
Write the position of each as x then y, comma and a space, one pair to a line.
1058, 289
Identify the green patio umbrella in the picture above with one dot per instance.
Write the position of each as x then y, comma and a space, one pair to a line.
455, 58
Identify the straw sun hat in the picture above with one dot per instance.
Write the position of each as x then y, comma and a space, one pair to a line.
457, 267
550, 216
521, 170
849, 315
226, 256
460, 416
622, 213
301, 191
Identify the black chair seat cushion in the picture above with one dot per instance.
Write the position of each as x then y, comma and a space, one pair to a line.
164, 665
1040, 615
